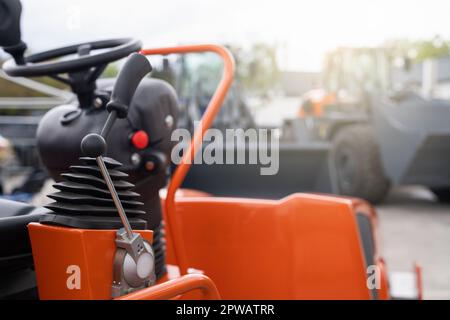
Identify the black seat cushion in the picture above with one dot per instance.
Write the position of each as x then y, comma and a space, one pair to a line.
15, 248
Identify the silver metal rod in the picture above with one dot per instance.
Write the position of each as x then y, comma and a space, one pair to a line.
115, 197
108, 124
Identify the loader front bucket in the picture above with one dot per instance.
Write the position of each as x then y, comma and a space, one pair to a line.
301, 168
414, 139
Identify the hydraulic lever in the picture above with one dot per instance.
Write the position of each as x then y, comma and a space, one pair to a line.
128, 276
94, 145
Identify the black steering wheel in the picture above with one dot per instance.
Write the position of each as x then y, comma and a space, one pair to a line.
39, 65
82, 70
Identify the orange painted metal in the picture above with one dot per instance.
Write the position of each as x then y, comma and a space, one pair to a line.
177, 287
170, 256
58, 250
319, 100
418, 271
205, 123
305, 246
383, 291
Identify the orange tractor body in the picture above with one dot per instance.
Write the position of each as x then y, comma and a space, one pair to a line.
300, 247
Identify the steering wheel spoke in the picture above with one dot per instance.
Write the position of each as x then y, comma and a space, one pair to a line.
96, 72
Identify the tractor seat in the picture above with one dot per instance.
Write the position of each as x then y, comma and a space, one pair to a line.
15, 248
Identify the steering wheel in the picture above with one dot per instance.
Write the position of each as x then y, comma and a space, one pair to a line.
39, 65
82, 71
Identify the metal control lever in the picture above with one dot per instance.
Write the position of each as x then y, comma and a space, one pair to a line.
115, 197
137, 272
94, 145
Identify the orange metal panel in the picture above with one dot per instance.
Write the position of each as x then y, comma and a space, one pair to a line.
58, 251
304, 246
383, 292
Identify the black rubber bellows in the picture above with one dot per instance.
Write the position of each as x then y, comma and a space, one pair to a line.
84, 201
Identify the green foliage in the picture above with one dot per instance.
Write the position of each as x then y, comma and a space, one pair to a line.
52, 82
419, 50
111, 71
434, 48
10, 89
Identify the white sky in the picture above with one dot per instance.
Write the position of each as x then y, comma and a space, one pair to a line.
304, 30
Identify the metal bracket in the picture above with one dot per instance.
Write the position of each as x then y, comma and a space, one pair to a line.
134, 246
134, 266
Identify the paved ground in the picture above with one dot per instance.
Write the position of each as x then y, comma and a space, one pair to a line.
415, 228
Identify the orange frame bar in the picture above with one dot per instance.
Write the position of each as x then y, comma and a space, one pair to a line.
205, 123
176, 287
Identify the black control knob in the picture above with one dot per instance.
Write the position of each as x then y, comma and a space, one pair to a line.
93, 145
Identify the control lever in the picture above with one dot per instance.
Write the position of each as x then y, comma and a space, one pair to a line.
94, 145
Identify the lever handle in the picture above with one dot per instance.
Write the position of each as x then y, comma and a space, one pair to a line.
136, 67
94, 145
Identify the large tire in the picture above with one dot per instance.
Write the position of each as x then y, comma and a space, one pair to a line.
442, 194
356, 159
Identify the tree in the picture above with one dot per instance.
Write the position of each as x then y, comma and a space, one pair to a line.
419, 50
434, 48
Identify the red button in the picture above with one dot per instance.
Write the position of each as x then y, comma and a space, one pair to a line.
139, 139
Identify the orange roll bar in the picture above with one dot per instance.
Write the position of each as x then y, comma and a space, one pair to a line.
176, 287
205, 123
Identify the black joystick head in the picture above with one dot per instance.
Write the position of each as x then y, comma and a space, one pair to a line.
93, 145
136, 67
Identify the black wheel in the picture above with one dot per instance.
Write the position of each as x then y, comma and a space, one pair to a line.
357, 162
442, 194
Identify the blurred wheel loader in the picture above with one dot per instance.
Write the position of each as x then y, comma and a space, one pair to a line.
379, 133
195, 79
